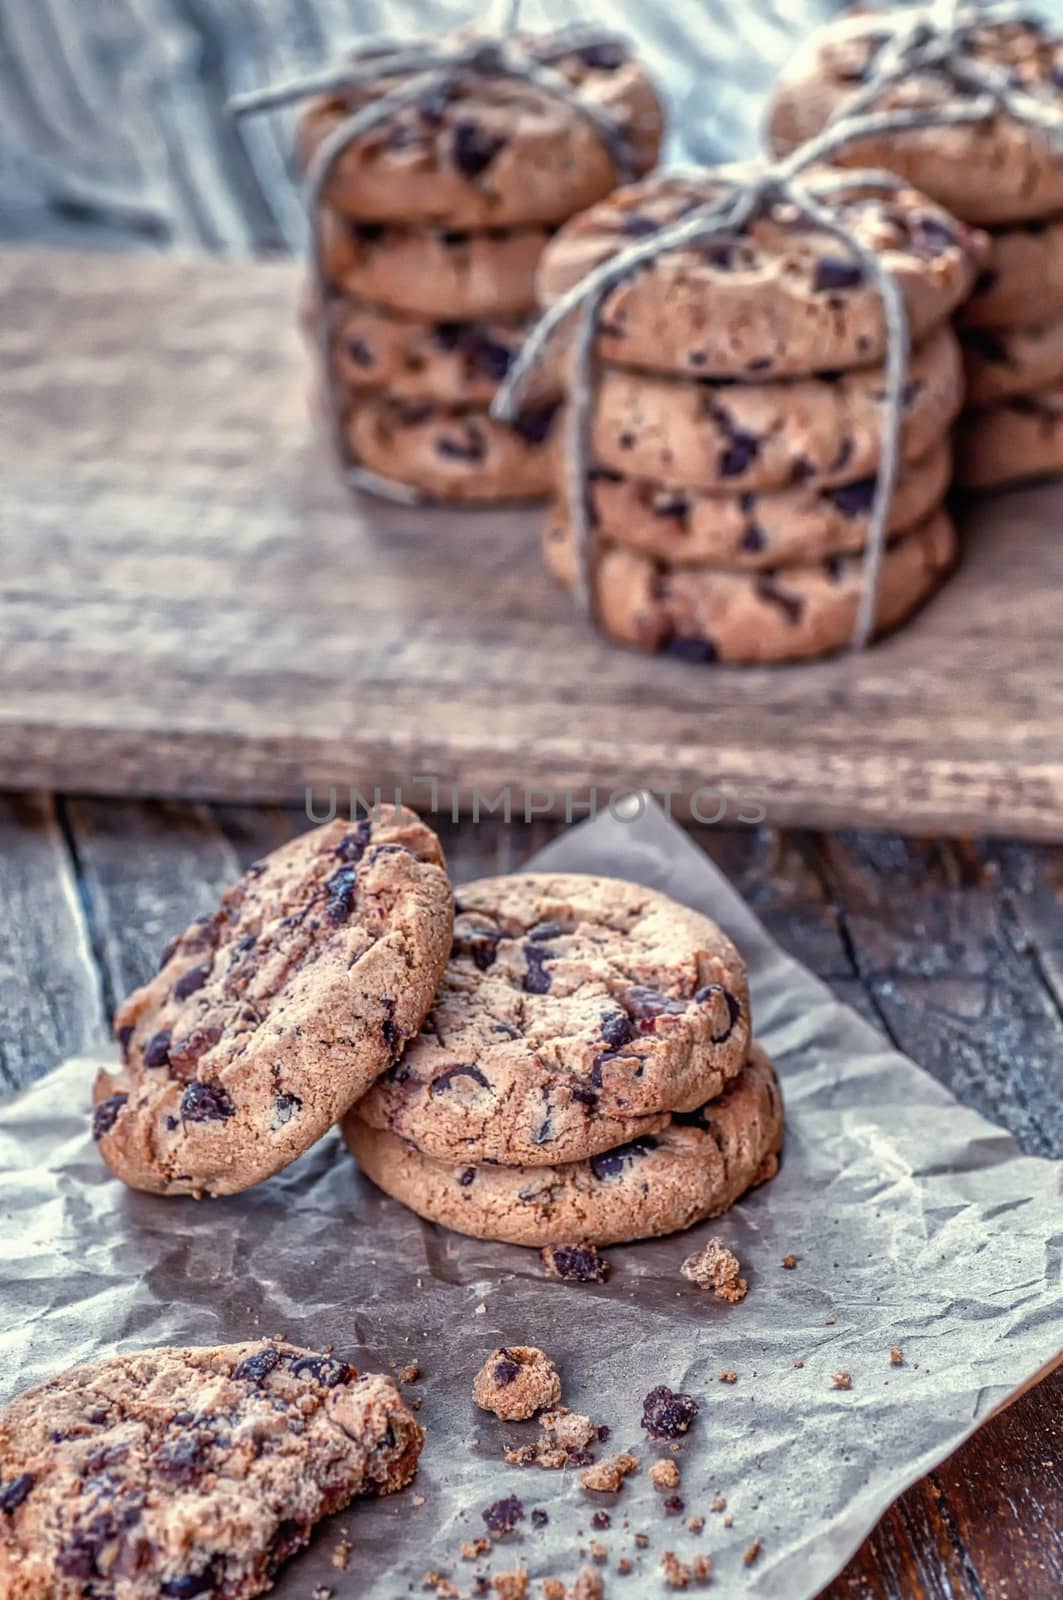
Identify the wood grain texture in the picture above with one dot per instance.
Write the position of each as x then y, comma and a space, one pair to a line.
50, 999
190, 604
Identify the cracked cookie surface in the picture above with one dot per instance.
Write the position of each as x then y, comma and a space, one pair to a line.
271, 1015
659, 1183
779, 300
575, 1012
188, 1472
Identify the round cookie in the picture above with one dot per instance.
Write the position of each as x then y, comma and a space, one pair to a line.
1003, 362
454, 363
450, 454
754, 531
1021, 280
778, 301
1018, 439
494, 151
824, 430
274, 1013
572, 1010
449, 276
997, 171
696, 1168
181, 1472
703, 614
516, 1382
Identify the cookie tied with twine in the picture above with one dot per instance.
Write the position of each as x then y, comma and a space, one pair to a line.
390, 78
803, 186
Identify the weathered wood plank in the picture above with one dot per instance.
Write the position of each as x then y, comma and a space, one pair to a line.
193, 606
957, 991
50, 1003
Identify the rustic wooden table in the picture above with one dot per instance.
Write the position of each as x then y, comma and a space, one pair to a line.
954, 950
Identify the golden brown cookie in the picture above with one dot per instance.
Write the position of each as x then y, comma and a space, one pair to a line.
998, 170
272, 1014
1021, 279
188, 1472
447, 453
803, 610
1001, 363
696, 1168
781, 300
1013, 442
573, 1012
493, 152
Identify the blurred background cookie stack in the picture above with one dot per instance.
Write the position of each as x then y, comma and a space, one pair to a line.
738, 419
432, 224
586, 1073
1003, 172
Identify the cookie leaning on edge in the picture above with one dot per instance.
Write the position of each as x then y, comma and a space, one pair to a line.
574, 1011
696, 1168
181, 1472
269, 1017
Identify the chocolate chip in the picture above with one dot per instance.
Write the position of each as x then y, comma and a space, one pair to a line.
646, 1004
507, 1369
252, 1369
834, 567
474, 148
841, 456
539, 1518
835, 272
666, 1415
470, 446
15, 1491
930, 233
341, 891
574, 1263
752, 537
675, 1505
688, 648
987, 279
488, 356
609, 1163
358, 351
584, 1096
465, 1069
670, 505
467, 1177
853, 499
536, 977
285, 1107
604, 1432
739, 455
604, 57
206, 1102
504, 1515
190, 980
481, 946
124, 1035
328, 1371
718, 253
791, 605
157, 1050
601, 1520
186, 1588
106, 1114
184, 1053
365, 232
705, 996
617, 1029
182, 1460
534, 425
986, 343
352, 846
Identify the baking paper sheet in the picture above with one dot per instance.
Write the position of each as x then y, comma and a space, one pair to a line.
915, 1221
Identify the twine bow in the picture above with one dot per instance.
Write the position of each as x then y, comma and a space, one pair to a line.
425, 71
934, 36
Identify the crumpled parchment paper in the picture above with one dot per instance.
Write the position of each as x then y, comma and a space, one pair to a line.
916, 1223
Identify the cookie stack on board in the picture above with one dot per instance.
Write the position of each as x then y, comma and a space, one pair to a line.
580, 1068
586, 1072
432, 228
737, 421
1000, 173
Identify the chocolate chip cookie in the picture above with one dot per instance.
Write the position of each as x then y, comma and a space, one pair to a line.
824, 430
573, 1009
491, 151
695, 1168
188, 1472
997, 170
754, 531
1012, 442
454, 454
798, 611
780, 300
440, 274
1001, 363
1021, 279
272, 1014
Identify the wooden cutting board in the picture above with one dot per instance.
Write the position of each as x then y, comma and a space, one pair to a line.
192, 604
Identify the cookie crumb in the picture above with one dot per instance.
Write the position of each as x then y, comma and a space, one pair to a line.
598, 1551
410, 1374
896, 1356
574, 1263
828, 1322
702, 1569
553, 1589
441, 1586
664, 1475
515, 1382
676, 1572
510, 1585
322, 1592
718, 1503
623, 1566
564, 1441
750, 1555
695, 1524
727, 1376
608, 1475
642, 1541
798, 1363
342, 1554
675, 1505
601, 1520
503, 1516
589, 1585
789, 1262
539, 1518
841, 1380
717, 1268
666, 1415
475, 1549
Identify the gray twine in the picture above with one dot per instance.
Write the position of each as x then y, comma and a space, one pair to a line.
934, 37
429, 69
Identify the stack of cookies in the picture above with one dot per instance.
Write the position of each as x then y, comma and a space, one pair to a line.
738, 420
586, 1072
1002, 173
431, 231
579, 1069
